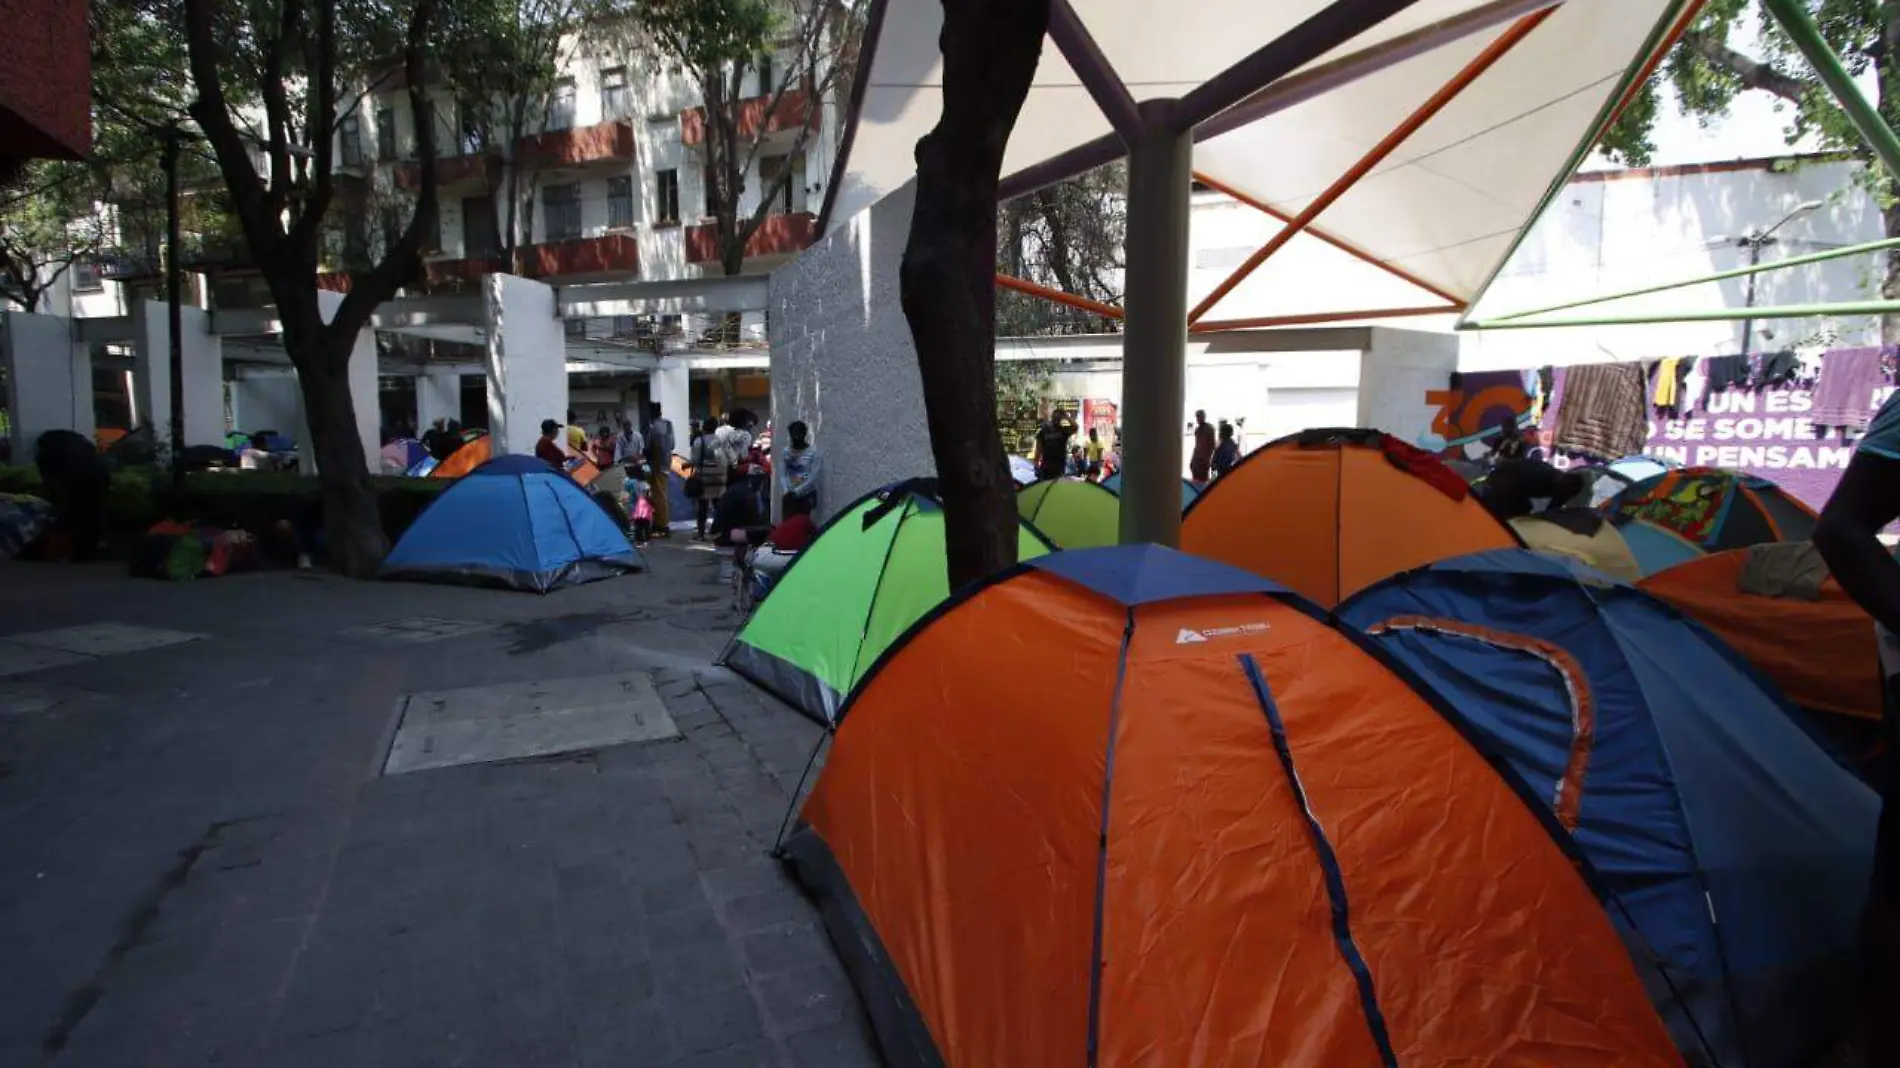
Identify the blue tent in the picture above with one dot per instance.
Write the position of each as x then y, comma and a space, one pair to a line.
517, 523
1113, 484
1733, 851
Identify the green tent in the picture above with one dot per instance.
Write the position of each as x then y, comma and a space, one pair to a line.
1075, 514
875, 569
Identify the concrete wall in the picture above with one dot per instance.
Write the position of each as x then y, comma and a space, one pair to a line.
842, 358
49, 379
203, 370
1396, 373
438, 396
527, 360
268, 399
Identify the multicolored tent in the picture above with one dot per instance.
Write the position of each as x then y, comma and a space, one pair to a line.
1818, 646
1616, 476
876, 568
1195, 834
1329, 512
1715, 508
1189, 491
1625, 551
1727, 842
516, 523
470, 456
1071, 512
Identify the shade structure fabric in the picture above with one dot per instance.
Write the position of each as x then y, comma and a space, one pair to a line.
1716, 509
1189, 490
1329, 512
1626, 552
1071, 512
1078, 868
1731, 845
1448, 205
876, 568
516, 523
1821, 652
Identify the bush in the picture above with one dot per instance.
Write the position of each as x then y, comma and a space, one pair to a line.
258, 500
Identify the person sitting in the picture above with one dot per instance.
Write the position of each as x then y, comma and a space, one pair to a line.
761, 567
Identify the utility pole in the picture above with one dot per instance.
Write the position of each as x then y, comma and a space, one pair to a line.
1755, 242
174, 322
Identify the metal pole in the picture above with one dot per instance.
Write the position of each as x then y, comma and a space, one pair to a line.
1718, 276
1865, 117
174, 322
1154, 332
1754, 244
1700, 315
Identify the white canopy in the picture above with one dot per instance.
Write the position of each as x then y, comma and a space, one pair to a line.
1447, 206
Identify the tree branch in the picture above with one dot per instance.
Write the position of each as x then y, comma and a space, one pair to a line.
319, 119
1752, 73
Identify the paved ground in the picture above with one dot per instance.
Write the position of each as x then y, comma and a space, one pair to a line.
204, 864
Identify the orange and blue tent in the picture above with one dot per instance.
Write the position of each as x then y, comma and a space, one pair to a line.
1732, 849
1715, 508
1329, 512
1196, 834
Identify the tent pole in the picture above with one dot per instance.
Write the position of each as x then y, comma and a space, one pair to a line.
1718, 276
1154, 335
1697, 315
1840, 84
1446, 93
1214, 326
1059, 296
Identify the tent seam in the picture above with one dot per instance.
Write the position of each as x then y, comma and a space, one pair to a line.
1101, 861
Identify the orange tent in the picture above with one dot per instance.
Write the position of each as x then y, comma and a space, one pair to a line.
1330, 512
1821, 653
465, 459
1197, 836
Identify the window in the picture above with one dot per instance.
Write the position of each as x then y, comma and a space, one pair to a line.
626, 326
385, 134
349, 134
666, 198
765, 75
616, 102
469, 133
481, 238
562, 206
561, 107
574, 328
619, 202
86, 277
770, 167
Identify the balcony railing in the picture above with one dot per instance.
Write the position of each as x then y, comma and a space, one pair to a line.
611, 253
793, 111
465, 269
778, 235
586, 144
481, 169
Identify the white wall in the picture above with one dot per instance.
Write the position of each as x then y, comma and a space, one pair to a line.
203, 371
49, 379
527, 361
842, 357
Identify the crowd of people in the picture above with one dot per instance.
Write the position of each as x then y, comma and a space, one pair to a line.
1056, 454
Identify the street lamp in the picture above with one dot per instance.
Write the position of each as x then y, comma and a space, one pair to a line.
1754, 242
174, 324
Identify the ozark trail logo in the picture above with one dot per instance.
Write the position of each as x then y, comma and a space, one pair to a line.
1191, 637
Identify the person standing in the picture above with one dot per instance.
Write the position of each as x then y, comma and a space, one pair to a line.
659, 451
711, 463
1227, 453
1201, 461
802, 466
1848, 538
629, 444
548, 447
1052, 446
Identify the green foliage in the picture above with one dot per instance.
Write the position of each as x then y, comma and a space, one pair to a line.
709, 35
1068, 236
1021, 388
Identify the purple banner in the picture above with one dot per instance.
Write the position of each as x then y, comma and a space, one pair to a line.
1766, 434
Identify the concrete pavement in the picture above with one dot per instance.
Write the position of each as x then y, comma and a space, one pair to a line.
205, 863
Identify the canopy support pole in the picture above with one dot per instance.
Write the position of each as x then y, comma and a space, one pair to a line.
1154, 335
1840, 84
1213, 326
1698, 315
1090, 65
1446, 93
1058, 296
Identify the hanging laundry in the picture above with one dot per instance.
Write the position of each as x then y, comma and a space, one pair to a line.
1603, 414
1727, 372
1844, 396
1668, 392
1777, 369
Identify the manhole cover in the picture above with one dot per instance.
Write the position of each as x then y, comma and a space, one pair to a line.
482, 724
104, 639
419, 630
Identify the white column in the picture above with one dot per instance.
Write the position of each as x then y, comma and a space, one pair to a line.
527, 360
1396, 371
49, 378
438, 396
268, 398
203, 370
667, 386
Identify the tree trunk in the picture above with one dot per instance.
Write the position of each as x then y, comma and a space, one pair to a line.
948, 284
352, 525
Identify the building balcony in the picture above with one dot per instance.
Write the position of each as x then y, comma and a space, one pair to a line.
609, 253
793, 111
475, 169
585, 144
778, 235
464, 269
